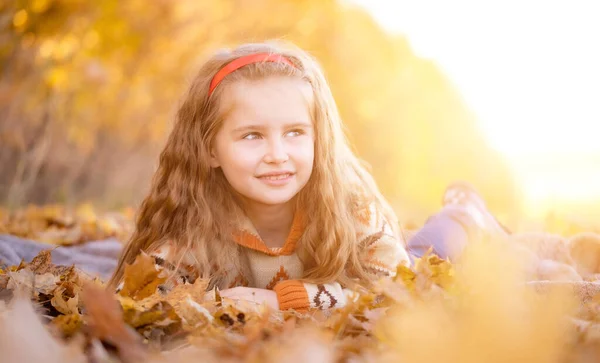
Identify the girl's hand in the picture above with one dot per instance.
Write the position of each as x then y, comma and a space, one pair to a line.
252, 294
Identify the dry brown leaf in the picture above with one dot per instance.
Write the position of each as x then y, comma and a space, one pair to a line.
21, 266
4, 281
105, 321
193, 313
179, 294
187, 300
41, 263
26, 279
141, 279
137, 315
58, 225
67, 307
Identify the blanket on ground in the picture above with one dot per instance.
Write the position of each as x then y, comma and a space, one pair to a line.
97, 258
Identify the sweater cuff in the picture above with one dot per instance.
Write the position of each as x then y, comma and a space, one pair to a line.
292, 294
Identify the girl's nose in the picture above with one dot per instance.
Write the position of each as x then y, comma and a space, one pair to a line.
276, 152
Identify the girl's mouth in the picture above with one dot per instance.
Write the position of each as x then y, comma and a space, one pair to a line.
276, 179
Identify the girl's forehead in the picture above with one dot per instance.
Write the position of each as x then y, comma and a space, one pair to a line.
273, 99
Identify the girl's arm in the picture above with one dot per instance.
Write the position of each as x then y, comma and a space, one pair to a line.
253, 294
384, 253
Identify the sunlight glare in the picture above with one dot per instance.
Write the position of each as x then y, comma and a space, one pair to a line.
529, 72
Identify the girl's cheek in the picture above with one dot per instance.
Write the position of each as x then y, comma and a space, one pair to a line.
305, 143
245, 149
248, 157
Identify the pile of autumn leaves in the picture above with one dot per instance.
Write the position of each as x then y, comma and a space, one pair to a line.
84, 321
62, 226
430, 312
480, 310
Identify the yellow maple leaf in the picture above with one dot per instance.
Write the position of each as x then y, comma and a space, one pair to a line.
141, 279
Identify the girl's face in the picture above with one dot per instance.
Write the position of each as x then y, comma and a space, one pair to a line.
265, 146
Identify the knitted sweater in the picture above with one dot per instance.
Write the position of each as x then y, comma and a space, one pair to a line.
279, 269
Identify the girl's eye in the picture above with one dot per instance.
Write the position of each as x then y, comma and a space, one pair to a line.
295, 133
251, 136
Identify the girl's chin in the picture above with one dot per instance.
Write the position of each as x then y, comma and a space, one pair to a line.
272, 200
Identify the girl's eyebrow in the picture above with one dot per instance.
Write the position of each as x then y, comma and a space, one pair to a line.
261, 127
298, 124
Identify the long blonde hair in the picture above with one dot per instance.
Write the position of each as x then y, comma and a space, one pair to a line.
192, 204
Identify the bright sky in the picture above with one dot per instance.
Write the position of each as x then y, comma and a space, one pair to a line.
530, 71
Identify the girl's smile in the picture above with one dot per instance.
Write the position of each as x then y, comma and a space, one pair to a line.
276, 178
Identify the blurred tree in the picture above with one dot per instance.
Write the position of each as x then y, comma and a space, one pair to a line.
88, 91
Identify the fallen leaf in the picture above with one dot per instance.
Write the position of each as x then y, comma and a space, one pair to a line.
137, 315
26, 279
68, 325
66, 307
194, 314
41, 263
141, 279
179, 294
105, 321
4, 281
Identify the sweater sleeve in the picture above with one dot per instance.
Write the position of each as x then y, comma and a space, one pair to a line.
384, 252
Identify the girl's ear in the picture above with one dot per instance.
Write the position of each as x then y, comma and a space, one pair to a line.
214, 162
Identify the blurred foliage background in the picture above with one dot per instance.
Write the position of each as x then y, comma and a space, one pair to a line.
88, 91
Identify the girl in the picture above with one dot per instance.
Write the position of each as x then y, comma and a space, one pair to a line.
258, 191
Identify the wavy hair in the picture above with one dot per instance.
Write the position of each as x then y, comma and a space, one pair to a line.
193, 205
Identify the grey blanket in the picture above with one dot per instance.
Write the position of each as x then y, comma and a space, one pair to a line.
97, 258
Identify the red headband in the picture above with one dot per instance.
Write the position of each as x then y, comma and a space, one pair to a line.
243, 61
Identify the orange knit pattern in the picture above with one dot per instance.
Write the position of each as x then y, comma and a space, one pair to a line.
281, 275
292, 295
